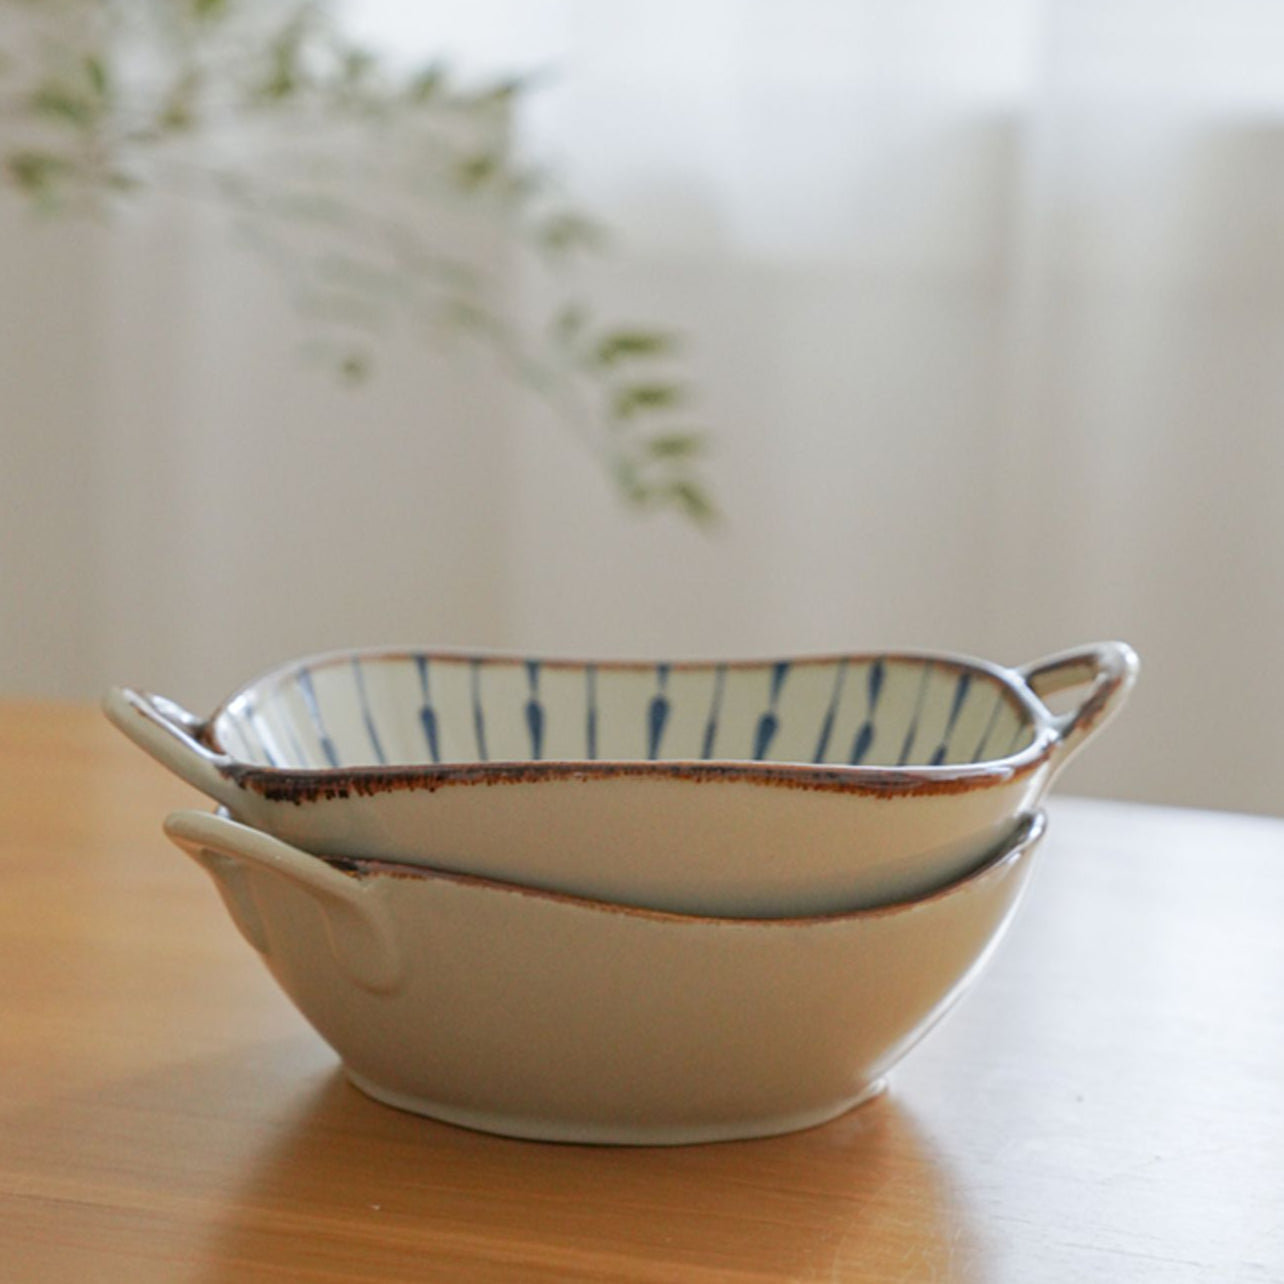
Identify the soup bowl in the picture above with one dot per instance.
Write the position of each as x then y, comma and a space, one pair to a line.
536, 1014
767, 788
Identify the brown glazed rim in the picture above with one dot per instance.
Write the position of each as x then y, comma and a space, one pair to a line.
1028, 830
300, 785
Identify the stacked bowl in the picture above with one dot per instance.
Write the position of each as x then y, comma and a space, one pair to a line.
620, 901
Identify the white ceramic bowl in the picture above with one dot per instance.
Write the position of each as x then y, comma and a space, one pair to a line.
755, 788
535, 1014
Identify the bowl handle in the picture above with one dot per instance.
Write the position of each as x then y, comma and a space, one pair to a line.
1108, 669
362, 935
171, 735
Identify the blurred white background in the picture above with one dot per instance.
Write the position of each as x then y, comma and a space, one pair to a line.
985, 304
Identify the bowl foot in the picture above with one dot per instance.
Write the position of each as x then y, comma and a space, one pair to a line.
600, 1133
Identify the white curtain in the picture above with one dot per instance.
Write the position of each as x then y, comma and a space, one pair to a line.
985, 305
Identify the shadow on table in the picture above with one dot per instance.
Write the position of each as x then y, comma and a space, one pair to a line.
348, 1185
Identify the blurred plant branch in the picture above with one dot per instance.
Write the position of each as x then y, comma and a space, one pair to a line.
354, 180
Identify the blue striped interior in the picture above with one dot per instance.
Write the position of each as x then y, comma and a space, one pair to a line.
367, 717
297, 752
982, 745
657, 712
962, 687
715, 707
911, 732
534, 711
871, 711
308, 690
256, 726
479, 717
831, 712
590, 711
768, 720
865, 736
1015, 743
427, 714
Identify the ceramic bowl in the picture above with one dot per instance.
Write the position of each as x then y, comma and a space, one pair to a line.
535, 1014
758, 788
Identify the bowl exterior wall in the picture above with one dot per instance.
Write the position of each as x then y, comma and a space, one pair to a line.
721, 846
540, 1017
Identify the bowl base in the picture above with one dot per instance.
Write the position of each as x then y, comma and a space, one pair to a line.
598, 1133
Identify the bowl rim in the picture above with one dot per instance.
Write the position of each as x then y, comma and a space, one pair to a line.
305, 784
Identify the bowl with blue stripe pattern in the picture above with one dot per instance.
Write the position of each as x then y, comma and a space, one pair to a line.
764, 788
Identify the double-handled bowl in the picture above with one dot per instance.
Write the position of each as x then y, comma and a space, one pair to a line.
536, 1014
754, 788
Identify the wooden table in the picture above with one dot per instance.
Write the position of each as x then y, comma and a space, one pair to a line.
1107, 1105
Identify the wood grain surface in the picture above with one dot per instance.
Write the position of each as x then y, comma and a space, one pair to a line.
1107, 1105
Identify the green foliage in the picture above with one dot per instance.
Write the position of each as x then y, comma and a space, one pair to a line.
37, 174
620, 345
209, 10
350, 179
635, 398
